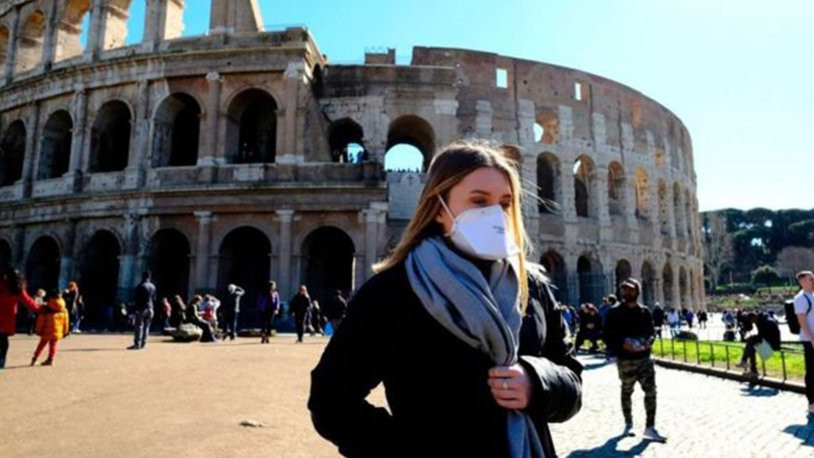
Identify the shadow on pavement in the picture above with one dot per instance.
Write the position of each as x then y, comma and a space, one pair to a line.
755, 390
803, 432
609, 449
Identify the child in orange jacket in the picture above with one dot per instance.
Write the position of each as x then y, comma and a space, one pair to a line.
52, 325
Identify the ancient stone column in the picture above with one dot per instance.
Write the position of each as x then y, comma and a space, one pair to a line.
50, 38
96, 32
127, 261
138, 161
203, 250
31, 137
163, 21
287, 117
569, 213
210, 151
11, 53
284, 282
235, 16
78, 152
600, 190
67, 261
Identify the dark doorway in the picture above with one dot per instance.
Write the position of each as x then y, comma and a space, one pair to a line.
252, 128
99, 279
176, 130
110, 138
328, 262
12, 151
245, 260
169, 255
55, 152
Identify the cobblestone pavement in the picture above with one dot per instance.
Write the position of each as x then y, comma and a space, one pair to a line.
701, 416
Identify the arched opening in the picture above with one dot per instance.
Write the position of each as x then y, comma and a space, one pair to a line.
667, 285
548, 182
119, 22
4, 38
403, 158
555, 268
169, 255
346, 140
5, 252
413, 131
55, 151
12, 151
176, 128
583, 177
677, 212
616, 189
683, 289
251, 130
642, 196
591, 280
648, 296
71, 29
546, 127
110, 138
42, 265
99, 278
30, 42
623, 272
245, 260
664, 220
328, 262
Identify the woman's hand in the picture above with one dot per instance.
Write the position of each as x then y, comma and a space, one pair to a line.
511, 386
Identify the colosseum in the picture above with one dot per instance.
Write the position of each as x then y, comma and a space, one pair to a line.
223, 157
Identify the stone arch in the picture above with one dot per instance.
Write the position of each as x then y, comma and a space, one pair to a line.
346, 139
591, 279
42, 264
414, 131
683, 289
244, 258
642, 186
549, 187
328, 262
616, 188
664, 219
55, 149
176, 130
678, 214
12, 152
30, 41
584, 198
117, 16
6, 252
5, 36
98, 278
168, 255
667, 284
110, 137
555, 269
74, 18
251, 128
623, 271
648, 296
548, 125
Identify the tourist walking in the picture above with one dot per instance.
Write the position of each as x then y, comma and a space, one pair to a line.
335, 308
75, 305
12, 292
658, 319
461, 329
52, 325
143, 309
702, 319
673, 321
299, 306
231, 310
630, 333
803, 302
268, 304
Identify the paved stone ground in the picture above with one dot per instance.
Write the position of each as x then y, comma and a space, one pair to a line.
188, 400
702, 416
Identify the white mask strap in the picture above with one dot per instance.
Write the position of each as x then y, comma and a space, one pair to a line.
444, 204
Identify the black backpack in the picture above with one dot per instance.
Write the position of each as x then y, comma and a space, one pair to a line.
791, 315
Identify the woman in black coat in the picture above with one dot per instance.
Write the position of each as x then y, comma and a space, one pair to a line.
447, 397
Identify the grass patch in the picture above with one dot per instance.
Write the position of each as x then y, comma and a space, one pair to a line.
715, 354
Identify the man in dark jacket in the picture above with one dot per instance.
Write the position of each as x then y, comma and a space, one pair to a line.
767, 330
334, 309
658, 319
144, 299
629, 333
300, 304
231, 309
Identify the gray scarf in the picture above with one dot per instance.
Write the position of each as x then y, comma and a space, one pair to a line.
485, 315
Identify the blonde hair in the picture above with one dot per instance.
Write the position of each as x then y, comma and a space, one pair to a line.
447, 169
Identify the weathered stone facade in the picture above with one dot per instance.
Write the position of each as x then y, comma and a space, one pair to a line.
213, 159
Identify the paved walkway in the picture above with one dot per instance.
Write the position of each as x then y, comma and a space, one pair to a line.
701, 416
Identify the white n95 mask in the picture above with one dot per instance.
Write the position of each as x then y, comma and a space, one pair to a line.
482, 232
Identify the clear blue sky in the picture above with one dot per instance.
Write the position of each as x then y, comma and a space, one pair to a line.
737, 72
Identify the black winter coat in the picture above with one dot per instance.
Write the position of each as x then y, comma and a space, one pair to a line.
435, 384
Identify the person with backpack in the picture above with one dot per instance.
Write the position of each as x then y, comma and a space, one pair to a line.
767, 331
805, 327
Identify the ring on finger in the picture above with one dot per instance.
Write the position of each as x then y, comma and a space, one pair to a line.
505, 385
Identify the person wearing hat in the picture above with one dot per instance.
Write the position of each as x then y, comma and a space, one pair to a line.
629, 334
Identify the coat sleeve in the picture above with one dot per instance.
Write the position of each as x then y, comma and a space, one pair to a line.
26, 300
555, 374
349, 369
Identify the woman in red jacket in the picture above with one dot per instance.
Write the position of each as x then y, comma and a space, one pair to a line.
12, 291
